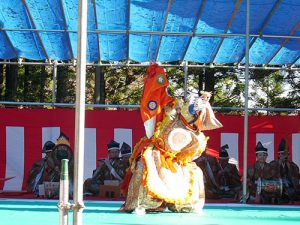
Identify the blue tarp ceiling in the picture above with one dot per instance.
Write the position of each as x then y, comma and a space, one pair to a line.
153, 30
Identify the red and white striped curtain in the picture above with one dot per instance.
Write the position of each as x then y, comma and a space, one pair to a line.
24, 131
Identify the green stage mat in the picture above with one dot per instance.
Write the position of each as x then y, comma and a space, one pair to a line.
45, 212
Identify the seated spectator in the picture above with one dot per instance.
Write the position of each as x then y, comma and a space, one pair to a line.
111, 170
260, 170
288, 172
48, 169
125, 154
125, 159
210, 167
228, 176
37, 170
61, 150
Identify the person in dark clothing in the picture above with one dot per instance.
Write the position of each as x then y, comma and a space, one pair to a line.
288, 171
210, 167
228, 176
111, 170
259, 171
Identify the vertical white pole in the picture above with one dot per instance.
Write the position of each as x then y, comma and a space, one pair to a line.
80, 112
185, 79
63, 204
245, 159
54, 82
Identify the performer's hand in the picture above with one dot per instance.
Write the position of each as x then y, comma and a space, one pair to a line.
171, 112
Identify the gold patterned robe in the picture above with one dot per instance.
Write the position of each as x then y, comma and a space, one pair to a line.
164, 177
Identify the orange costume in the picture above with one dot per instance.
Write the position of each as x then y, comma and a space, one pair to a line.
162, 172
153, 100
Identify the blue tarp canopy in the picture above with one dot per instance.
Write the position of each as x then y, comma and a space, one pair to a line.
202, 31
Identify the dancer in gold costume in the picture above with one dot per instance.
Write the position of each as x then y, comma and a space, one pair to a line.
162, 172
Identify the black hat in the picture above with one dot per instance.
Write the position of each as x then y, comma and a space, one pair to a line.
125, 149
48, 147
283, 147
223, 151
113, 145
260, 148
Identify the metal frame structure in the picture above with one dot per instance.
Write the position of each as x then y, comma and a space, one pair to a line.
163, 33
128, 26
80, 113
166, 9
114, 106
54, 81
245, 150
292, 67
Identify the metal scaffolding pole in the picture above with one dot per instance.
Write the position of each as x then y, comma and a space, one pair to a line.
245, 158
80, 113
185, 79
63, 204
54, 82
164, 33
123, 64
131, 107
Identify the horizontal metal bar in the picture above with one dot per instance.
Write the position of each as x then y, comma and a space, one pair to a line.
212, 66
163, 33
294, 68
243, 67
255, 109
32, 63
67, 105
218, 108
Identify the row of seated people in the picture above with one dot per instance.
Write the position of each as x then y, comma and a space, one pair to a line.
277, 180
220, 177
274, 182
46, 172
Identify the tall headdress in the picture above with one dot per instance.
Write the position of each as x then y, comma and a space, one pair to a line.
125, 149
48, 147
154, 98
63, 140
223, 154
283, 146
260, 148
113, 145
62, 148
